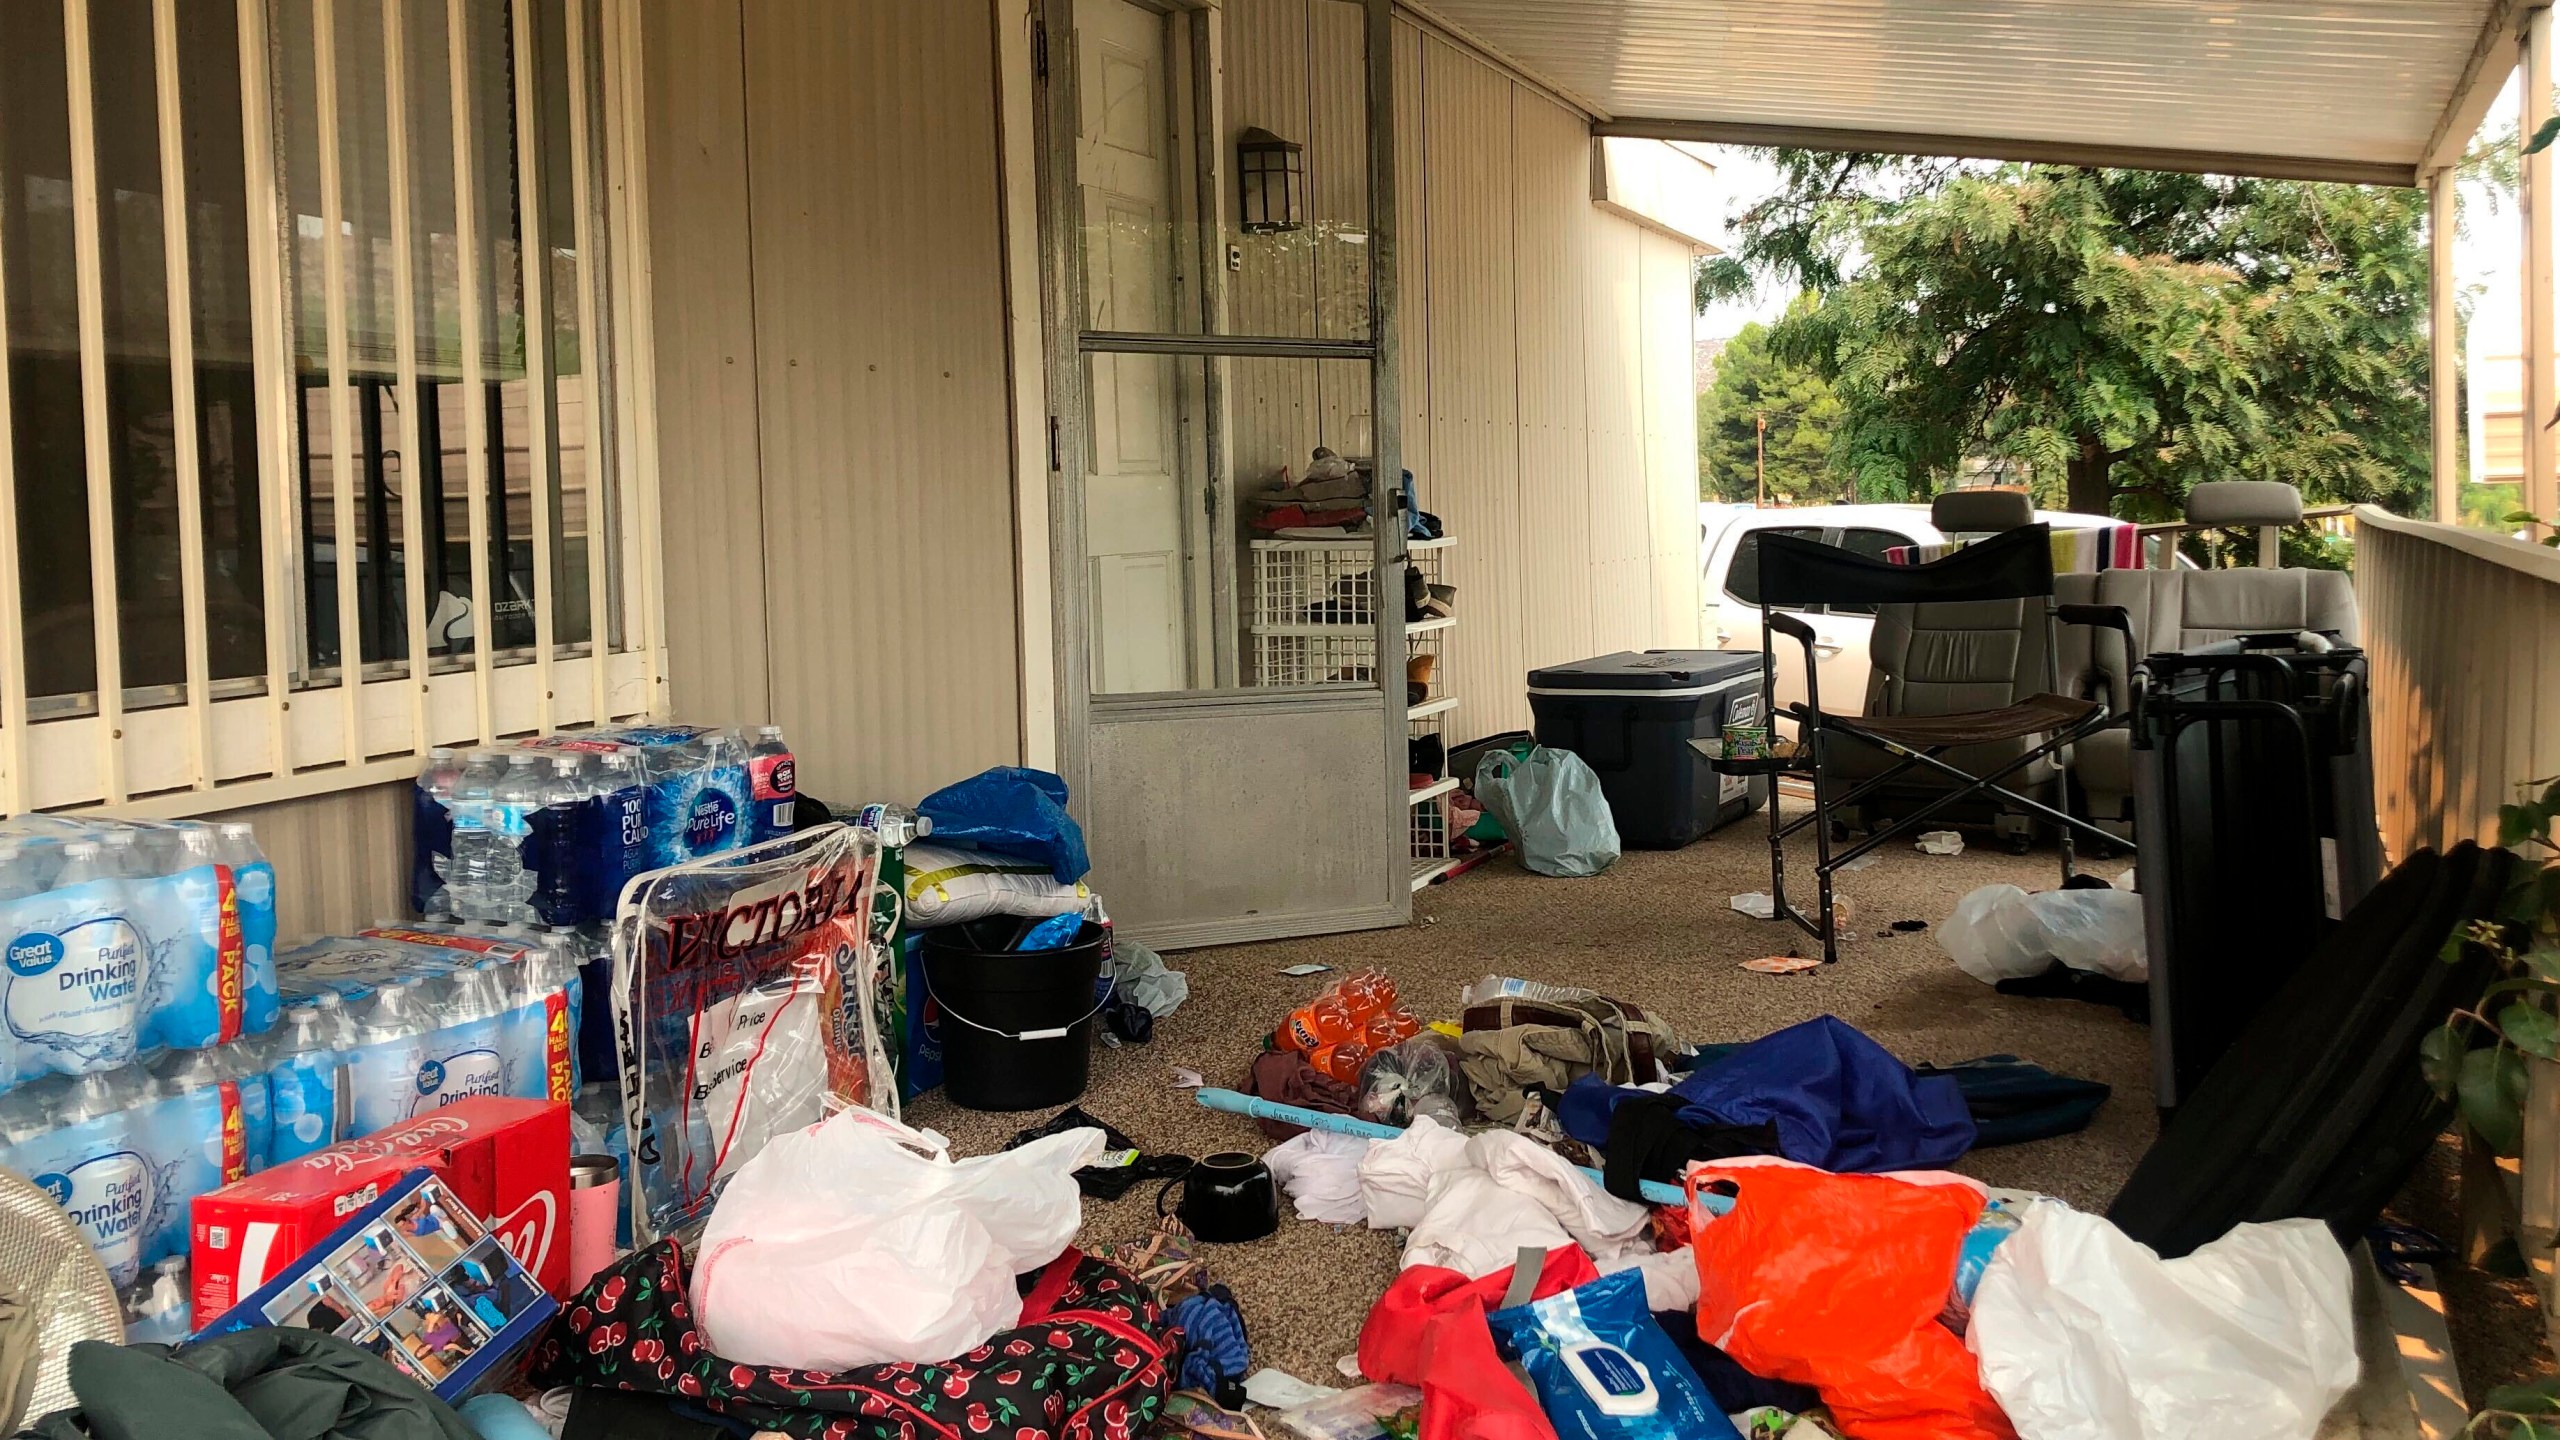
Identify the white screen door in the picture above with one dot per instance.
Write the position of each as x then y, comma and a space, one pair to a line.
1233, 739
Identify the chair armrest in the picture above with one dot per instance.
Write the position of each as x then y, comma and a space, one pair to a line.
2104, 617
1786, 624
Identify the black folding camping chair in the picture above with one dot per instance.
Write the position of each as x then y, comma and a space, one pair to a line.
2016, 565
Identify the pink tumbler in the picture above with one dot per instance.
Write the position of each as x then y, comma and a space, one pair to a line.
595, 1214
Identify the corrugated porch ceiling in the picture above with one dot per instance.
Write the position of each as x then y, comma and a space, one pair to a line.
2366, 90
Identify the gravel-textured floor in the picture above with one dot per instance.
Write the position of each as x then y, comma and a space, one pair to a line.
1655, 929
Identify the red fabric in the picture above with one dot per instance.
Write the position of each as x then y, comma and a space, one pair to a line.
1835, 1281
1429, 1330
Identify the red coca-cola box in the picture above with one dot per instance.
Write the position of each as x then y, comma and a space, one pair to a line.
507, 1159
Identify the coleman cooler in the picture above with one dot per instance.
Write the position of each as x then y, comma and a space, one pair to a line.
1630, 716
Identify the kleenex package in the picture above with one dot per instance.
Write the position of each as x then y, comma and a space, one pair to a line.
1603, 1368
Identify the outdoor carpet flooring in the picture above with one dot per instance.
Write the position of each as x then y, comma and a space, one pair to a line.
1655, 929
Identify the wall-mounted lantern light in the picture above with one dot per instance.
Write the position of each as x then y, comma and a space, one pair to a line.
1274, 175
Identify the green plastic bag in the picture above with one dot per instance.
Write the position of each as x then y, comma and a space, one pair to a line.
1550, 803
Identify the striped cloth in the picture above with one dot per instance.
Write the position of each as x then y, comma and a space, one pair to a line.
2075, 552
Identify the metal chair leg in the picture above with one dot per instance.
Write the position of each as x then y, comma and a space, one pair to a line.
1777, 855
1822, 870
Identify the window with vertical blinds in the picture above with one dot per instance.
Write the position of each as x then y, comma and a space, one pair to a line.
312, 452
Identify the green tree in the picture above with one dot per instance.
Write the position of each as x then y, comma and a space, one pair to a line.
2119, 334
1753, 384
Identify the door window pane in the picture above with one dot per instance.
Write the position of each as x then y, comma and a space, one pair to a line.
1171, 242
1229, 524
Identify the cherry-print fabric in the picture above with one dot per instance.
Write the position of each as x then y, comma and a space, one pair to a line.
1088, 1362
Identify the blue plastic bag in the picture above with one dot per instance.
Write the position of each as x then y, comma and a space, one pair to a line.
1011, 811
1603, 1367
1550, 804
1838, 1100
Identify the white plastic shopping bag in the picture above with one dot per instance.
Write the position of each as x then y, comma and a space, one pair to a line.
861, 1241
2001, 932
2085, 1334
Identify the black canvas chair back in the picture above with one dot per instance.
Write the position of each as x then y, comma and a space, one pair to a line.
2016, 565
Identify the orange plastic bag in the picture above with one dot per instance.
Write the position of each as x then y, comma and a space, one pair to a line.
1835, 1281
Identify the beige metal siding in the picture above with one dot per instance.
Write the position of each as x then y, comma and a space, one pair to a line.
1474, 481
709, 484
1553, 250
1551, 418
2464, 633
834, 423
342, 859
888, 492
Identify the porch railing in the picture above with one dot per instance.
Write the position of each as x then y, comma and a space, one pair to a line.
2463, 628
2160, 542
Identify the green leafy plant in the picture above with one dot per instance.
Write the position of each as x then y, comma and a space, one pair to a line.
2527, 517
2516, 1013
2530, 1411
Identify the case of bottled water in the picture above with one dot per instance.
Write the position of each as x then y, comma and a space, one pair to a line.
428, 1015
549, 830
125, 1152
124, 939
376, 1029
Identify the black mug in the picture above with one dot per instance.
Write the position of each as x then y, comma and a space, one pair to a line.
1227, 1198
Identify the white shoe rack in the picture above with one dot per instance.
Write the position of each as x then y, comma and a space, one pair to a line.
1314, 603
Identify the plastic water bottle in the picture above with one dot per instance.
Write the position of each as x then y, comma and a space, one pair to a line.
466, 868
306, 1076
462, 1057
19, 876
120, 854
431, 829
156, 1309
74, 984
233, 846
515, 800
773, 782
204, 1124
74, 1139
614, 836
390, 1046
554, 841
523, 1032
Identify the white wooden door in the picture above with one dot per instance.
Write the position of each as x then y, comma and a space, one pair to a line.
1147, 591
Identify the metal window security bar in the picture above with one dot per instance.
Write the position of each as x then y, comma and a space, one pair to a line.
312, 446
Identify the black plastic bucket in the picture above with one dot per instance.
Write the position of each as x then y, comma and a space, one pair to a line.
1017, 1027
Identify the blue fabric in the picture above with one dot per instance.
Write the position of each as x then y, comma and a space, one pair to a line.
1011, 811
2013, 1102
1214, 1347
1838, 1099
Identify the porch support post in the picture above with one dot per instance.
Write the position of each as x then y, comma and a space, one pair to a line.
2541, 384
2444, 337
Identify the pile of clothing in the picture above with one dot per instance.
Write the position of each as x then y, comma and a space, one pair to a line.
1331, 500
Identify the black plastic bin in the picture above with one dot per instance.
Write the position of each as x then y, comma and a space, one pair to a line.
1017, 1026
2254, 811
1631, 716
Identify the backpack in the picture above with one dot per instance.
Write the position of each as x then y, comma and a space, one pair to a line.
1088, 1362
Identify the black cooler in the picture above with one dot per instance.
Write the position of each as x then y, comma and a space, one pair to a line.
1630, 716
